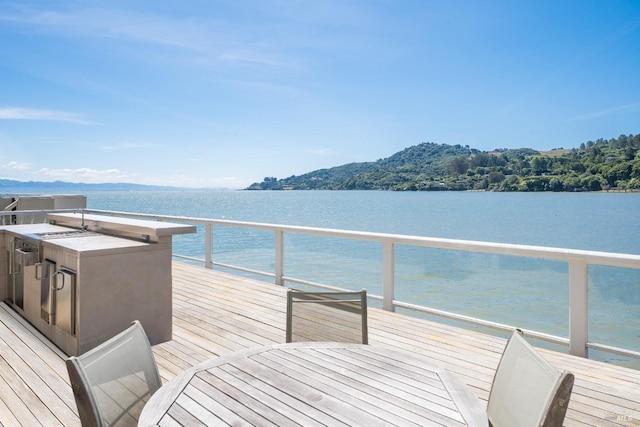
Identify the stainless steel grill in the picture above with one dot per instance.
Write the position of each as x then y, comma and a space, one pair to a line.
66, 234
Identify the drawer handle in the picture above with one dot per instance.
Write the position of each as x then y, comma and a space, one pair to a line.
54, 282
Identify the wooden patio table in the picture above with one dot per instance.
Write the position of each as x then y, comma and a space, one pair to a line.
312, 384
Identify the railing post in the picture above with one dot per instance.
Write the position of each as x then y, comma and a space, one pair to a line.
279, 264
578, 308
388, 276
208, 251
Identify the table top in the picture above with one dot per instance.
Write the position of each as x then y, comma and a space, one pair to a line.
315, 384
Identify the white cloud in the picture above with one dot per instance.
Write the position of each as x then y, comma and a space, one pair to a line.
321, 151
273, 88
129, 146
15, 113
16, 166
25, 172
212, 38
607, 112
100, 22
85, 175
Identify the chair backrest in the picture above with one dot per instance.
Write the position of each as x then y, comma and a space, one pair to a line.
527, 390
112, 382
327, 316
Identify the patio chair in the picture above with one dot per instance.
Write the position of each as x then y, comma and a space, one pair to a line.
327, 316
527, 390
112, 382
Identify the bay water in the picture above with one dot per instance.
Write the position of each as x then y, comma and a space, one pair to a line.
523, 292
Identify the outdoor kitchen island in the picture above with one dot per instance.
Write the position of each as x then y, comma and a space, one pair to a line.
80, 279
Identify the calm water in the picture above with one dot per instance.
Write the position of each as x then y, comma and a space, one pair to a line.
592, 221
527, 293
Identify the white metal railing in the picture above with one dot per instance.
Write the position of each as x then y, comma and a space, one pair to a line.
578, 262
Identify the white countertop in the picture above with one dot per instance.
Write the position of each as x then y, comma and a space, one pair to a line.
125, 226
91, 244
96, 244
32, 228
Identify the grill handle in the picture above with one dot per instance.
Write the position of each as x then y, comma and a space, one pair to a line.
42, 271
12, 257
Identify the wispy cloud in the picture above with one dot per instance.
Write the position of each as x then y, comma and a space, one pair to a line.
212, 39
252, 56
321, 151
101, 22
86, 175
607, 112
16, 166
129, 146
14, 113
220, 36
269, 87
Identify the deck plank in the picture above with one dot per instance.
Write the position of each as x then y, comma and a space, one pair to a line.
216, 313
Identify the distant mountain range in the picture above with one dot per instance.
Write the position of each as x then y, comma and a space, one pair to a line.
8, 186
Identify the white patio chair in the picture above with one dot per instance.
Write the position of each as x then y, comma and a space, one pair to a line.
527, 390
327, 316
112, 382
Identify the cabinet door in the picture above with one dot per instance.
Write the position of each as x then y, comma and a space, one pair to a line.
65, 300
32, 290
47, 270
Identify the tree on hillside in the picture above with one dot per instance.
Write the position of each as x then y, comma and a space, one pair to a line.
539, 165
458, 165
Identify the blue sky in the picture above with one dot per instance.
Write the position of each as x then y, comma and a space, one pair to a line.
214, 93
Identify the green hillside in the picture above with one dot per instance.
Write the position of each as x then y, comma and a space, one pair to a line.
612, 164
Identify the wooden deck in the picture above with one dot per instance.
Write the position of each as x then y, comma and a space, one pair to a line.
217, 313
